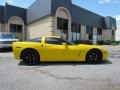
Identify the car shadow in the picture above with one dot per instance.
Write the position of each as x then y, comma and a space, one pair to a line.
5, 50
21, 63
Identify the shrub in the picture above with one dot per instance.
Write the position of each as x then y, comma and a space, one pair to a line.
115, 43
104, 42
88, 42
108, 42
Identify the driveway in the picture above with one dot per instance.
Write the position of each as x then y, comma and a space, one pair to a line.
14, 75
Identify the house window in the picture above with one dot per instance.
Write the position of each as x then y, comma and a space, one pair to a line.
19, 28
59, 23
76, 28
15, 28
99, 31
90, 36
62, 24
65, 24
76, 31
89, 31
113, 32
99, 34
79, 28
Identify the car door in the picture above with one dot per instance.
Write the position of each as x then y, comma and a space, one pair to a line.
73, 53
53, 49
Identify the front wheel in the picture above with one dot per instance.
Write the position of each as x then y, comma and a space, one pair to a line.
94, 57
30, 57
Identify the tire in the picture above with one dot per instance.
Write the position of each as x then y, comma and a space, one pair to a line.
30, 57
1, 49
94, 57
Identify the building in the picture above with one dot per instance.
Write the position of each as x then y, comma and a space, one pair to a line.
56, 17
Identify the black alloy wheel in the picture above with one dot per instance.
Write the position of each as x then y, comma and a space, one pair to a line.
30, 57
94, 57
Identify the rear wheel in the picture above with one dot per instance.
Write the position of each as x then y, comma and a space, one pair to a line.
94, 57
30, 57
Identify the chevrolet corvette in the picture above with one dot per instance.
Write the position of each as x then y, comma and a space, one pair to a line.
53, 48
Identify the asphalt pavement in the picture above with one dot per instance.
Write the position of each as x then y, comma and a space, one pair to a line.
14, 75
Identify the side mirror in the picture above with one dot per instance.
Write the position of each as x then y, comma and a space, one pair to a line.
65, 44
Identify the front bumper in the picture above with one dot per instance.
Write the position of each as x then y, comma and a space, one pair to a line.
5, 45
105, 56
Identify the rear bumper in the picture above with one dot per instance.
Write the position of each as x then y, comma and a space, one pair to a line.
16, 52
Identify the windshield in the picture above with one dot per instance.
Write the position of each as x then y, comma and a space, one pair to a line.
7, 36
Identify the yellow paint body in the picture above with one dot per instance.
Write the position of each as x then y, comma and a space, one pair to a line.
52, 52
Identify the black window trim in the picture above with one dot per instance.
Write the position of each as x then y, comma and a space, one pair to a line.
64, 41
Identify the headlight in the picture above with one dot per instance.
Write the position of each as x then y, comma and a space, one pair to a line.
1, 42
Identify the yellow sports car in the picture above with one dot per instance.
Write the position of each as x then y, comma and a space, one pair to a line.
54, 48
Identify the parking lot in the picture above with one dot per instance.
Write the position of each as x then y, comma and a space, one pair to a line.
14, 75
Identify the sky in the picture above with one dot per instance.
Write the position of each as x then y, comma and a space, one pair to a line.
101, 7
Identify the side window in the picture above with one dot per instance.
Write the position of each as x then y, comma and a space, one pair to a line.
35, 40
56, 41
